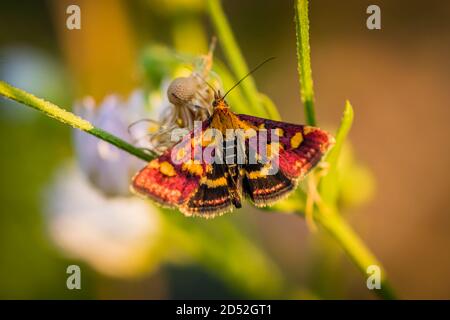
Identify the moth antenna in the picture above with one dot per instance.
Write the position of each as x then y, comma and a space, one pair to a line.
251, 71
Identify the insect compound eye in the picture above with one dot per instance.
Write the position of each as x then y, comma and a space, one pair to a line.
181, 90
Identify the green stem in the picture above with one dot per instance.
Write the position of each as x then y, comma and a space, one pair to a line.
304, 60
326, 217
353, 246
235, 57
69, 118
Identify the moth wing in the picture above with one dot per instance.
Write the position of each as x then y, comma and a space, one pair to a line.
300, 147
213, 196
264, 189
290, 153
171, 179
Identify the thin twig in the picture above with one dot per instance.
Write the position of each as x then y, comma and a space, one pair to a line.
69, 118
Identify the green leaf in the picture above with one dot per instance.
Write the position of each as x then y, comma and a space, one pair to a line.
304, 60
329, 184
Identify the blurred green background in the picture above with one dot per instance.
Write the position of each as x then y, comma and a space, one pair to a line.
397, 79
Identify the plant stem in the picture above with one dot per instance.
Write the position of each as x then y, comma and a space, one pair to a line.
235, 57
304, 60
327, 216
69, 118
353, 246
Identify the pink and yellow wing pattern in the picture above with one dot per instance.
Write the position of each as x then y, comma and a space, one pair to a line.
300, 148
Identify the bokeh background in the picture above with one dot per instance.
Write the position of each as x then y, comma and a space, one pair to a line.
397, 79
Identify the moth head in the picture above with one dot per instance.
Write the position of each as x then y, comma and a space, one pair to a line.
219, 101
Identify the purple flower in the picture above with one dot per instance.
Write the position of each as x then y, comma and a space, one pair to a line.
90, 214
107, 167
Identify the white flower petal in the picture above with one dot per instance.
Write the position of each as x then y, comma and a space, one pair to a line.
114, 235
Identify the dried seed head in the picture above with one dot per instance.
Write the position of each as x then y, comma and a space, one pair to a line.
191, 100
182, 90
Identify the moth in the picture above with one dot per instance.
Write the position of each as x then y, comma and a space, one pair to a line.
189, 177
